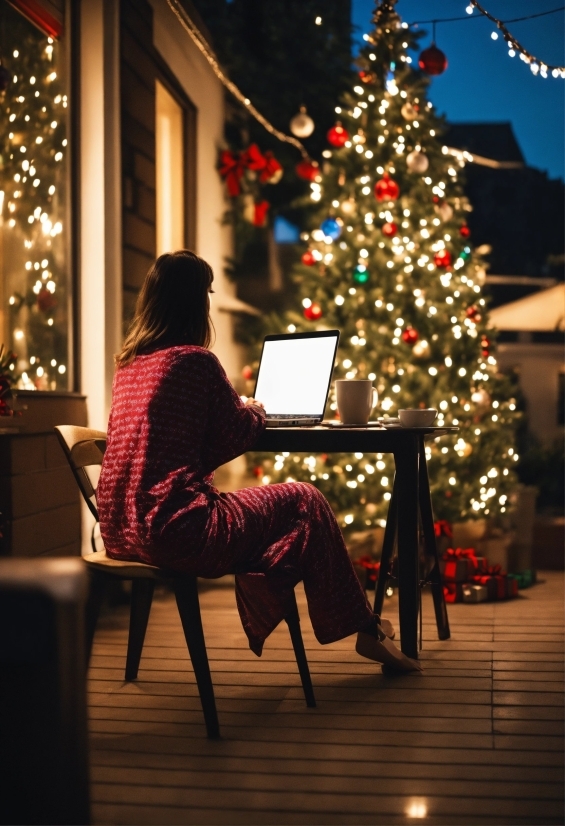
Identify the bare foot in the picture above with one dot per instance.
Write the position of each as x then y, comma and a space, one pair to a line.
388, 628
382, 650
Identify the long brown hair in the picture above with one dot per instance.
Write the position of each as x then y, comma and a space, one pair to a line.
172, 307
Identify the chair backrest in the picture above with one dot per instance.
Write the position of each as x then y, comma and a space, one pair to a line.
83, 447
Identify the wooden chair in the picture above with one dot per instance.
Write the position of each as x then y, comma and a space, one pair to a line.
85, 448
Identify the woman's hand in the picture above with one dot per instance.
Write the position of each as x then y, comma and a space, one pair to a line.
248, 402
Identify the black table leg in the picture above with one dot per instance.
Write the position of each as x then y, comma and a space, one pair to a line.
387, 551
427, 516
406, 459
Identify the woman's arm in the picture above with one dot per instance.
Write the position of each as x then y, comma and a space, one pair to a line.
233, 426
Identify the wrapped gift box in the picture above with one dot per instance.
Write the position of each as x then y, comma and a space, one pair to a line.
456, 570
367, 570
460, 564
453, 591
495, 584
525, 578
511, 587
474, 593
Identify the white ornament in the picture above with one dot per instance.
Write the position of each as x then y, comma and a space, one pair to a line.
302, 124
417, 161
408, 111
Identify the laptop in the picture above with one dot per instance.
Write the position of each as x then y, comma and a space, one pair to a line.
294, 377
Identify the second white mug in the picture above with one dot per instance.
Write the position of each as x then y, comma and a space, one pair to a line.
355, 400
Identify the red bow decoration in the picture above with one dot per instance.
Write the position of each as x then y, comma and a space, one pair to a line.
495, 570
266, 164
231, 168
462, 553
443, 528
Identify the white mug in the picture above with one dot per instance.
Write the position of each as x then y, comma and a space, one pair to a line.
355, 400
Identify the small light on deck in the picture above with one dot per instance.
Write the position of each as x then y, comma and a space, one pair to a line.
417, 808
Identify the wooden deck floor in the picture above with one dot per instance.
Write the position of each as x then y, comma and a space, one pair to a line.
476, 739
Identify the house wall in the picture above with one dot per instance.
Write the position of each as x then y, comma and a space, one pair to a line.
538, 366
213, 240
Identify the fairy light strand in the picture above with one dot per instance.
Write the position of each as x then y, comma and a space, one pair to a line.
536, 65
199, 41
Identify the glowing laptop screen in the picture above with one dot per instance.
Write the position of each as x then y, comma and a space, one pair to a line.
294, 374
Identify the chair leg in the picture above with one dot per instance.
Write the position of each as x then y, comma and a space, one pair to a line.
141, 598
186, 593
96, 587
292, 619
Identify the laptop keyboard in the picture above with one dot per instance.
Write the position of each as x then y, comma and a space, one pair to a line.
290, 416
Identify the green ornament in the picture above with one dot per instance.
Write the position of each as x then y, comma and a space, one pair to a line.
360, 274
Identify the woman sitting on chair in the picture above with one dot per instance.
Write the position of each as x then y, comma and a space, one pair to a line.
176, 418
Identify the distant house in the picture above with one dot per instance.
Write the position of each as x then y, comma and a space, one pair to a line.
517, 210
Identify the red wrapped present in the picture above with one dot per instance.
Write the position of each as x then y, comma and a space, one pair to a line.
453, 591
511, 587
367, 570
495, 581
456, 570
459, 564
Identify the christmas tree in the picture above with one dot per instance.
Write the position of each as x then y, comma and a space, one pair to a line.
33, 146
390, 264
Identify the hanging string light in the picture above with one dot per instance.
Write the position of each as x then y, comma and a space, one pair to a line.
537, 66
199, 41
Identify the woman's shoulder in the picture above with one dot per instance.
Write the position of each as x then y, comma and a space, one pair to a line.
187, 360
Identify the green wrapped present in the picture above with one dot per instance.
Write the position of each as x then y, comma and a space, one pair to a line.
525, 578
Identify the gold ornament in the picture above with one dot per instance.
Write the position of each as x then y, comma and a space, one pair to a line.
408, 112
421, 348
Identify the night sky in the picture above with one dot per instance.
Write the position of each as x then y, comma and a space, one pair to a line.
482, 83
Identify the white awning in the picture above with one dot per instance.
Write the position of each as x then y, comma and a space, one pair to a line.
539, 312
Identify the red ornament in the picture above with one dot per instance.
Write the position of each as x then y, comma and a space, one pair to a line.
337, 135
464, 231
485, 345
442, 258
313, 312
386, 189
247, 372
432, 61
309, 170
366, 77
257, 471
473, 313
45, 300
389, 229
410, 335
308, 258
